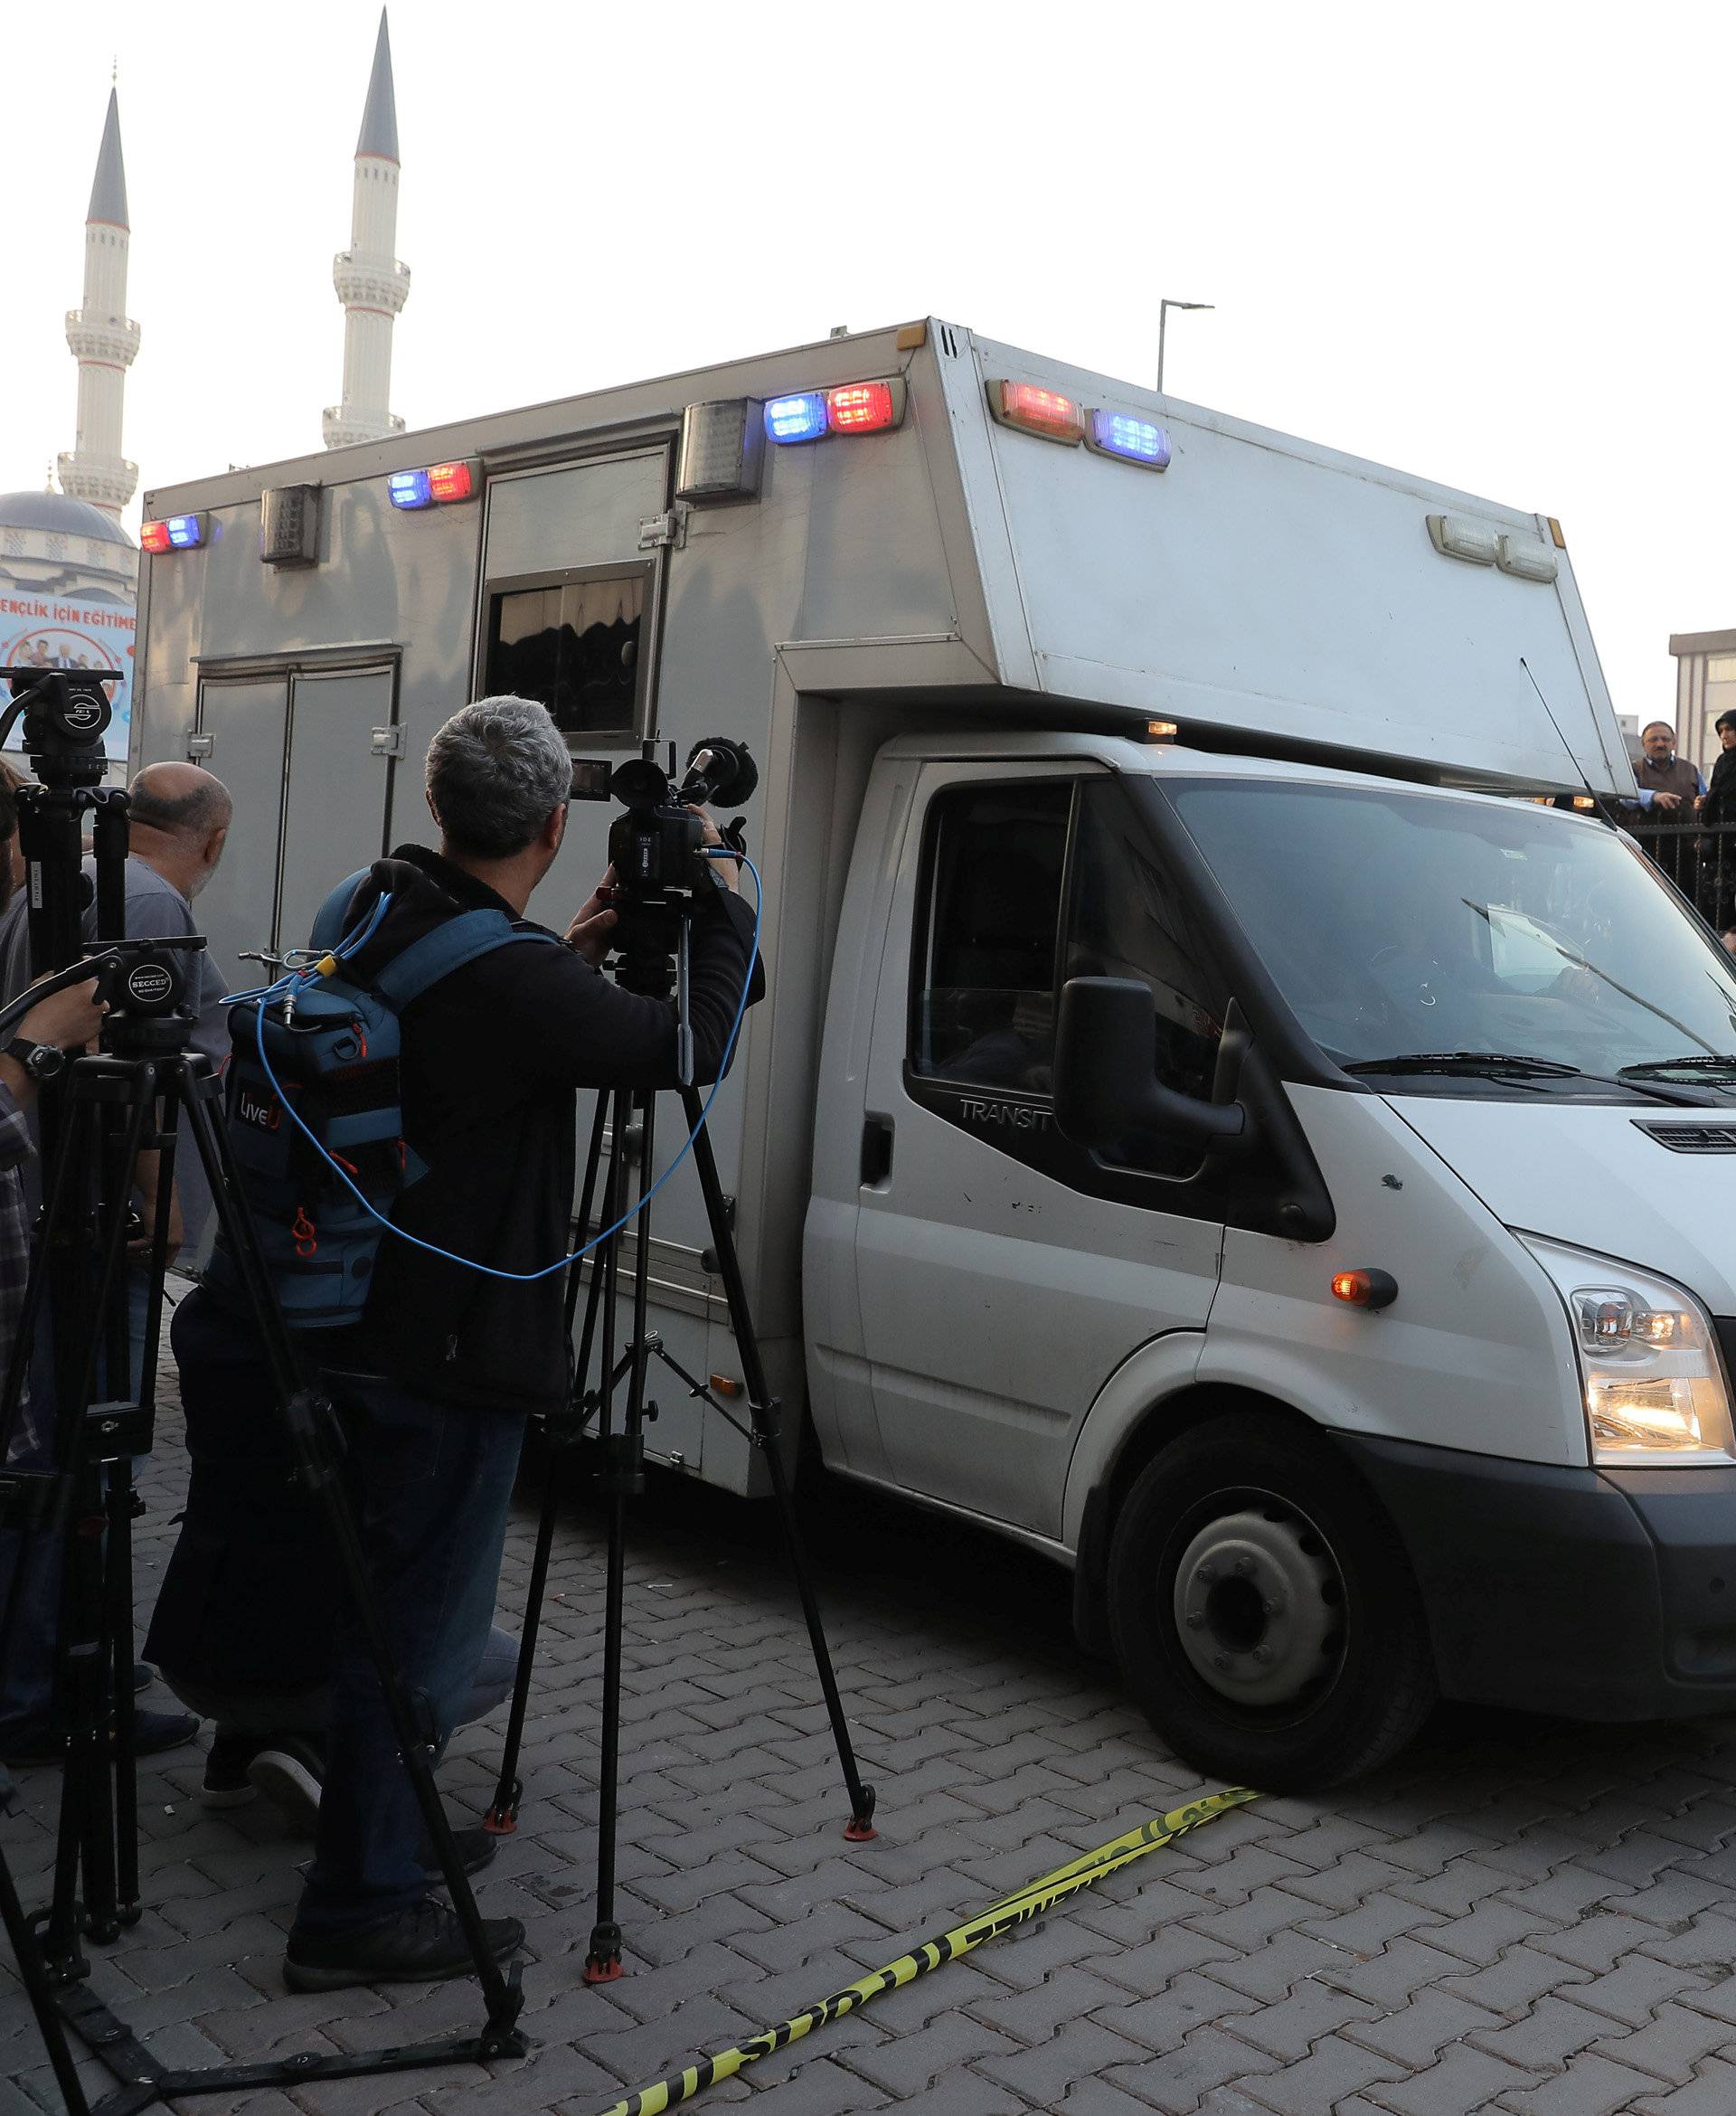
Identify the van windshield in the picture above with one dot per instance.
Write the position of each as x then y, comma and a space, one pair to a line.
1416, 927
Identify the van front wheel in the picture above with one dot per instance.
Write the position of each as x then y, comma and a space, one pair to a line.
1262, 1608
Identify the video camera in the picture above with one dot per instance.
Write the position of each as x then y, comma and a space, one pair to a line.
655, 846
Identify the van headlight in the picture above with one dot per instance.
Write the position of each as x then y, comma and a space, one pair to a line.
1655, 1389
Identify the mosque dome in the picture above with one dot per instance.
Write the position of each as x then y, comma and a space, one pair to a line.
56, 514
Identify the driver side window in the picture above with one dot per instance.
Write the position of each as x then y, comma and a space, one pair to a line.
986, 1002
1125, 922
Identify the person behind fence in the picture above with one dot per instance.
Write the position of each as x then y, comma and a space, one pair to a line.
1669, 786
1717, 829
436, 1381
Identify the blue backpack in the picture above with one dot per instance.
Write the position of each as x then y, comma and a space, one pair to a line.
335, 1059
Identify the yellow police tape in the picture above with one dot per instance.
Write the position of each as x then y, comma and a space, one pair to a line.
1029, 1901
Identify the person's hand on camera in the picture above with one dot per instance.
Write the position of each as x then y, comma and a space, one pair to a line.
588, 933
730, 869
69, 1019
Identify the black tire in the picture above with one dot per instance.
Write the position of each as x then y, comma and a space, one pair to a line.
1300, 1654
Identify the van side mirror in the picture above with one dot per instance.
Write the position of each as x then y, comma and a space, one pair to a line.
1106, 1090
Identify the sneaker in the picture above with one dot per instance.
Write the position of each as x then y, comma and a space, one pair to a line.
476, 1846
290, 1769
424, 1944
226, 1782
153, 1732
143, 1674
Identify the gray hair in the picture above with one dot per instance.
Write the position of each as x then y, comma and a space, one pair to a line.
494, 772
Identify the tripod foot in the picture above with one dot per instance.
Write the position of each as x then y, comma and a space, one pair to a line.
502, 1819
60, 1969
499, 2037
603, 1962
860, 1829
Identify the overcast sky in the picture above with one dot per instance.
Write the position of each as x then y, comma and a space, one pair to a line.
1487, 243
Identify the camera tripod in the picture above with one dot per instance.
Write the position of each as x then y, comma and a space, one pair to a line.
112, 1107
624, 1114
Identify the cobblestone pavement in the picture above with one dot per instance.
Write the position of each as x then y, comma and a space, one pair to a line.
1519, 1915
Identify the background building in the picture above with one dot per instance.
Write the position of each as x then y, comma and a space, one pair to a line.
1705, 686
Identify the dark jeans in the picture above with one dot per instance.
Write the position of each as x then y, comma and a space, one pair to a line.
254, 1714
434, 1483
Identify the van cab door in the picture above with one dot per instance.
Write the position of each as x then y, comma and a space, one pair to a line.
1004, 1274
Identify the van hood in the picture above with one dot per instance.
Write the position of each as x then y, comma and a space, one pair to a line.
1599, 1177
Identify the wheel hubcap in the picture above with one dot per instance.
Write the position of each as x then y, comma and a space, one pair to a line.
1259, 1606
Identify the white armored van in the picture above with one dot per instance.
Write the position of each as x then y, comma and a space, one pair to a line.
1203, 1124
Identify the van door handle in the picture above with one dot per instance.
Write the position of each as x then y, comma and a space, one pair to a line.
876, 1151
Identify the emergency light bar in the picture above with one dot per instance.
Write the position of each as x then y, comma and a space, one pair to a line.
174, 533
1034, 410
1134, 441
810, 415
797, 419
437, 486
1029, 408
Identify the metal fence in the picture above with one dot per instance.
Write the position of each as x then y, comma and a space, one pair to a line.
1700, 862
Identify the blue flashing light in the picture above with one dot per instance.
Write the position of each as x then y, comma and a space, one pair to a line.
409, 488
1116, 433
797, 419
185, 530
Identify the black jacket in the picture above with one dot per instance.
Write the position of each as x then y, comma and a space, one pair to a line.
493, 1056
1720, 811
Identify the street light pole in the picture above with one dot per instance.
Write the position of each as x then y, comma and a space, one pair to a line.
1164, 308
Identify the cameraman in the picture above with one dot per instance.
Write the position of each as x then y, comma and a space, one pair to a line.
436, 1383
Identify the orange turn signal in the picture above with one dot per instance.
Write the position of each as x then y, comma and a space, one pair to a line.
1365, 1288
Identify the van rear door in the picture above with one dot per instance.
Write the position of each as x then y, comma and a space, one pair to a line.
1003, 1274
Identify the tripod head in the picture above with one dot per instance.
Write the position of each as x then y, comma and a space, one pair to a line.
66, 714
148, 985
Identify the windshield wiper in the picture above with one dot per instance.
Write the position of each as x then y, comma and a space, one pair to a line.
1466, 1062
1695, 1062
1496, 1065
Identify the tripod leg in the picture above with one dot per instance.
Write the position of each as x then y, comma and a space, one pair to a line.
307, 1419
122, 1508
603, 1959
502, 1817
99, 1749
859, 1827
40, 1993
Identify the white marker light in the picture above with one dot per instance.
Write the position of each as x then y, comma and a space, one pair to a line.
1458, 536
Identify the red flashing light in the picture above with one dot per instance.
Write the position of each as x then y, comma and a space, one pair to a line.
154, 536
451, 481
862, 407
1034, 410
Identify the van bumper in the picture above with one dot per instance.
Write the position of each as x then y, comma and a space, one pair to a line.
1598, 1593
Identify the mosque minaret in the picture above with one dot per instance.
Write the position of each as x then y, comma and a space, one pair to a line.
370, 283
103, 337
